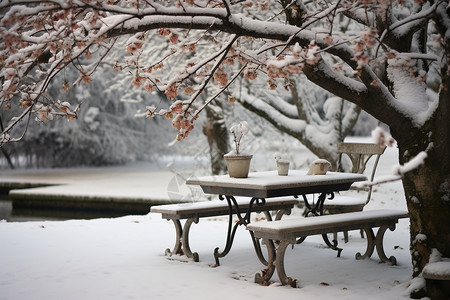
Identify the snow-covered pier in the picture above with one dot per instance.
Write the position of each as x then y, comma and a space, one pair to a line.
130, 189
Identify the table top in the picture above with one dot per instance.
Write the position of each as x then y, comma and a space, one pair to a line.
269, 184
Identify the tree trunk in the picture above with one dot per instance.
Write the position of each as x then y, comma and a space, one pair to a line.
216, 132
427, 191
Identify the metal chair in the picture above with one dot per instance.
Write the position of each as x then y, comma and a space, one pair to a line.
359, 154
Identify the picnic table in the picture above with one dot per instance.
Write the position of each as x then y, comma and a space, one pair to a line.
261, 185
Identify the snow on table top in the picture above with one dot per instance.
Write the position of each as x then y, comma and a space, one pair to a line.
270, 180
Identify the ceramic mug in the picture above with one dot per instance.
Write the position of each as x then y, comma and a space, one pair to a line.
319, 167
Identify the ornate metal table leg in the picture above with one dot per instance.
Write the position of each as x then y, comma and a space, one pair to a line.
185, 239
333, 244
242, 221
317, 210
257, 246
311, 210
179, 232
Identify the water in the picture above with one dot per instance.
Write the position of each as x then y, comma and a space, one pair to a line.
10, 214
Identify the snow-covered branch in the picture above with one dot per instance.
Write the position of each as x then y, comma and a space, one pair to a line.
210, 45
398, 171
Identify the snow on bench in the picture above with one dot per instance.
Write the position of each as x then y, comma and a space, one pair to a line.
192, 212
437, 276
439, 270
286, 231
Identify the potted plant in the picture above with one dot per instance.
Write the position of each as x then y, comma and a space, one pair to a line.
238, 163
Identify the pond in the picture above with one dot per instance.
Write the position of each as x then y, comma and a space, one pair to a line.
11, 214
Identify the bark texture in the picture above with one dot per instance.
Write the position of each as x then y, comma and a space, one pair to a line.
427, 191
217, 135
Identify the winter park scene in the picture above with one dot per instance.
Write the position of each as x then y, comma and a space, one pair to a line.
221, 149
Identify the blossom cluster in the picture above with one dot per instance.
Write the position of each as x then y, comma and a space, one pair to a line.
292, 63
367, 39
52, 39
181, 114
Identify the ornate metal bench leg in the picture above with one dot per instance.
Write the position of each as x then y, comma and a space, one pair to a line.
370, 244
179, 232
279, 264
379, 244
185, 239
257, 242
267, 215
266, 274
282, 212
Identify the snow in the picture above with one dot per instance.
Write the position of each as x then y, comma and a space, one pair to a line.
440, 268
312, 223
123, 258
270, 180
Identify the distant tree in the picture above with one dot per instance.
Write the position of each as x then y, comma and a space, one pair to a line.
392, 61
107, 131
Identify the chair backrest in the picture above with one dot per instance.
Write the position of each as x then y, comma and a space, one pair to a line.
360, 154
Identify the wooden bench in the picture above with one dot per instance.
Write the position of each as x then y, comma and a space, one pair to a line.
192, 212
286, 231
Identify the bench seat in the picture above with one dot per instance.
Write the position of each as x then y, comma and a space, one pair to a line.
192, 212
286, 231
437, 276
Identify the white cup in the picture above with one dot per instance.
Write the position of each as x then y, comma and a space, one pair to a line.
283, 167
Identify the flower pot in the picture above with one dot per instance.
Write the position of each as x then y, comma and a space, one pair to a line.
238, 165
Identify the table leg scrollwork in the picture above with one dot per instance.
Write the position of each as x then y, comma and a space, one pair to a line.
333, 244
317, 210
242, 220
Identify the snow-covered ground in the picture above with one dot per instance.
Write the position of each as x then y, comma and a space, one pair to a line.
123, 258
